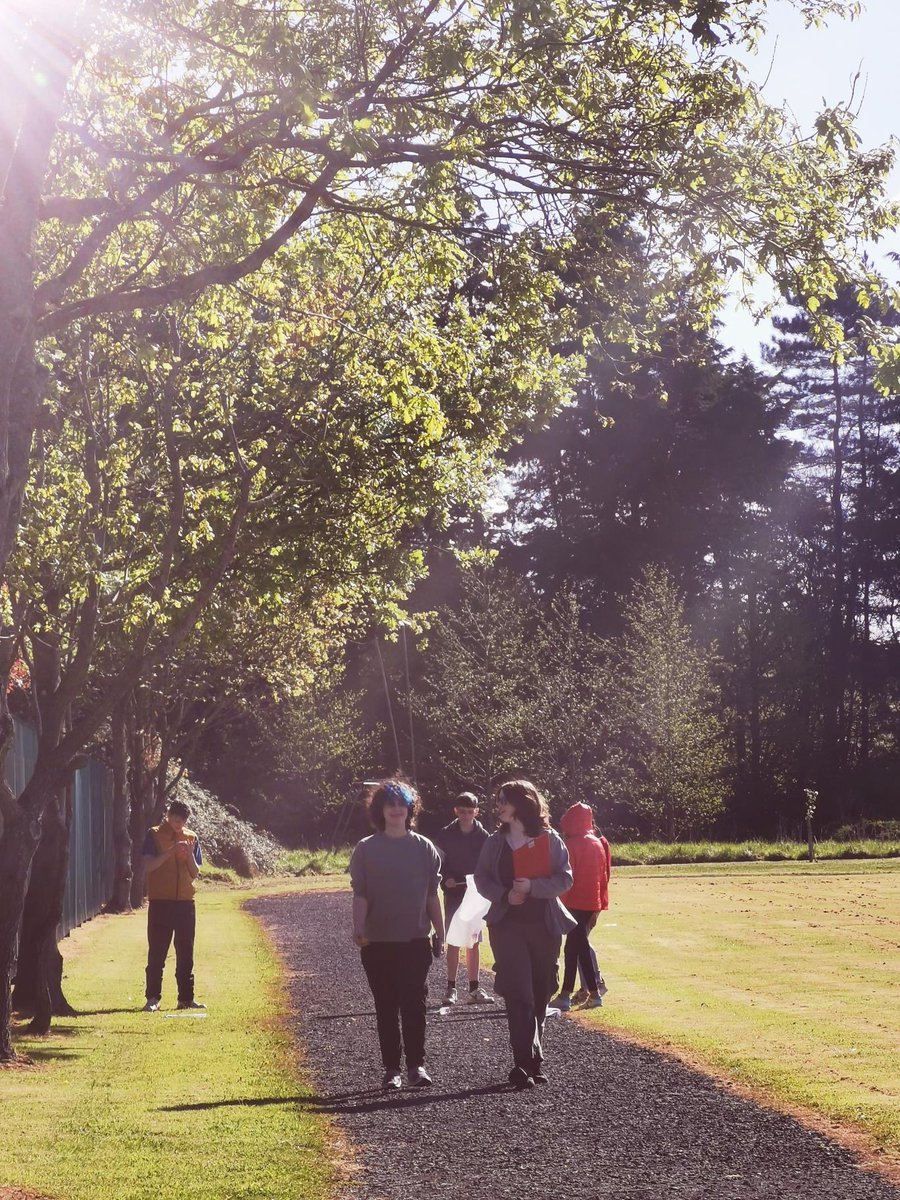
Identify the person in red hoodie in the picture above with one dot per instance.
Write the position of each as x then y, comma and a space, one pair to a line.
588, 896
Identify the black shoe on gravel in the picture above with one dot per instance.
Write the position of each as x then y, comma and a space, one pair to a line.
537, 1074
391, 1081
520, 1079
418, 1077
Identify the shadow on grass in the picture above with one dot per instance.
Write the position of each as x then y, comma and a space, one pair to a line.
368, 1100
44, 1054
105, 1012
464, 1014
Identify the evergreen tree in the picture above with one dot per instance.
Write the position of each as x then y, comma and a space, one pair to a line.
659, 461
850, 438
667, 757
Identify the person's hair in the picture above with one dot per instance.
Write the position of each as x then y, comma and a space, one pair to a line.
466, 800
528, 804
505, 777
389, 789
178, 809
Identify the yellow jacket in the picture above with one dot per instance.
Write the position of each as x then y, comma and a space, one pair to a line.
172, 880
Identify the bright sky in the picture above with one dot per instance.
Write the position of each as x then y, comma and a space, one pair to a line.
809, 69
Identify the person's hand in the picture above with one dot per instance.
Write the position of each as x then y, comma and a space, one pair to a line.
182, 849
523, 886
450, 883
516, 898
360, 939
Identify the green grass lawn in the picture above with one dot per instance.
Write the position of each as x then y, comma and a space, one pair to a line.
783, 976
162, 1106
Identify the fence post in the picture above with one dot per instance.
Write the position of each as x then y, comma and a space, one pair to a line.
811, 797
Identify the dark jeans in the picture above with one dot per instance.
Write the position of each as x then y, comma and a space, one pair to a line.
525, 954
397, 972
166, 918
578, 954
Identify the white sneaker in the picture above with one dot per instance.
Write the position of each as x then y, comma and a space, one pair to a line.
479, 996
450, 996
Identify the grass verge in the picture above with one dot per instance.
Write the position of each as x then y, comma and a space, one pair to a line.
123, 1105
334, 862
664, 853
315, 862
782, 977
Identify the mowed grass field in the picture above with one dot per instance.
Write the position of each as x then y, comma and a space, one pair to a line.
124, 1105
782, 976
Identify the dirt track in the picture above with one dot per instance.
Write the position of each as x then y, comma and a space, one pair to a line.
616, 1121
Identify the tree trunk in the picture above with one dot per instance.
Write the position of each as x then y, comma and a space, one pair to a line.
21, 834
833, 782
38, 989
48, 58
143, 751
121, 899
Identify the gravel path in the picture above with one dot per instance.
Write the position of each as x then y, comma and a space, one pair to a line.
615, 1121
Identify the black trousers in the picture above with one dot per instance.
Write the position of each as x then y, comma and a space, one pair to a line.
578, 954
525, 954
167, 919
397, 972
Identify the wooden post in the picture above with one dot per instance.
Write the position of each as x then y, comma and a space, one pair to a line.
811, 797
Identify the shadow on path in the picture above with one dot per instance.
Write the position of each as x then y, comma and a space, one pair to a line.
617, 1122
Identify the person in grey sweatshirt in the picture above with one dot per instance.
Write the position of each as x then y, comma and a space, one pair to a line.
395, 875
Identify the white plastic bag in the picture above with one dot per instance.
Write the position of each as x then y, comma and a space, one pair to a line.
468, 920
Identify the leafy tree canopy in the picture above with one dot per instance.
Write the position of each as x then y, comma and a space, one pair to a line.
197, 138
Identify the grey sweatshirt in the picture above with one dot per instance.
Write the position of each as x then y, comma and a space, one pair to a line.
396, 876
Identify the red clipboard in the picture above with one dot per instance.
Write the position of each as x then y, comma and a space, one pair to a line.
532, 861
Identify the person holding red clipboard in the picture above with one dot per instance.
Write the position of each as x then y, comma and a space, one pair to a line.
523, 869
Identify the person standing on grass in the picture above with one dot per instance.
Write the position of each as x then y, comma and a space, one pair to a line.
523, 868
172, 861
588, 896
395, 874
459, 845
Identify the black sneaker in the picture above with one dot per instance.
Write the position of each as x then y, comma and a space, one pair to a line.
152, 1004
520, 1079
391, 1081
418, 1077
190, 1004
537, 1073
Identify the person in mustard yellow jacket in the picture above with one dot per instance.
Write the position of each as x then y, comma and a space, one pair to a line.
172, 861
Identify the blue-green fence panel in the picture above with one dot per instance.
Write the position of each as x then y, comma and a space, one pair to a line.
89, 881
21, 758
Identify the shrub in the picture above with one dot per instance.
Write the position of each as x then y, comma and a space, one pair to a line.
226, 840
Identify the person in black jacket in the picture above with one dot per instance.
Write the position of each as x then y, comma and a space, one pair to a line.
459, 845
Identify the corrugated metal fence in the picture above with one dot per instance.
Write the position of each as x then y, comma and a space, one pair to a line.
89, 881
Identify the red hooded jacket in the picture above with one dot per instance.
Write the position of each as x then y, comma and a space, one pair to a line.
590, 860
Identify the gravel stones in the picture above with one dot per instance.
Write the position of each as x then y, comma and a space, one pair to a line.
615, 1122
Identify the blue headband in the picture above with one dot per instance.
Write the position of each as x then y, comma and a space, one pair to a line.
399, 791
